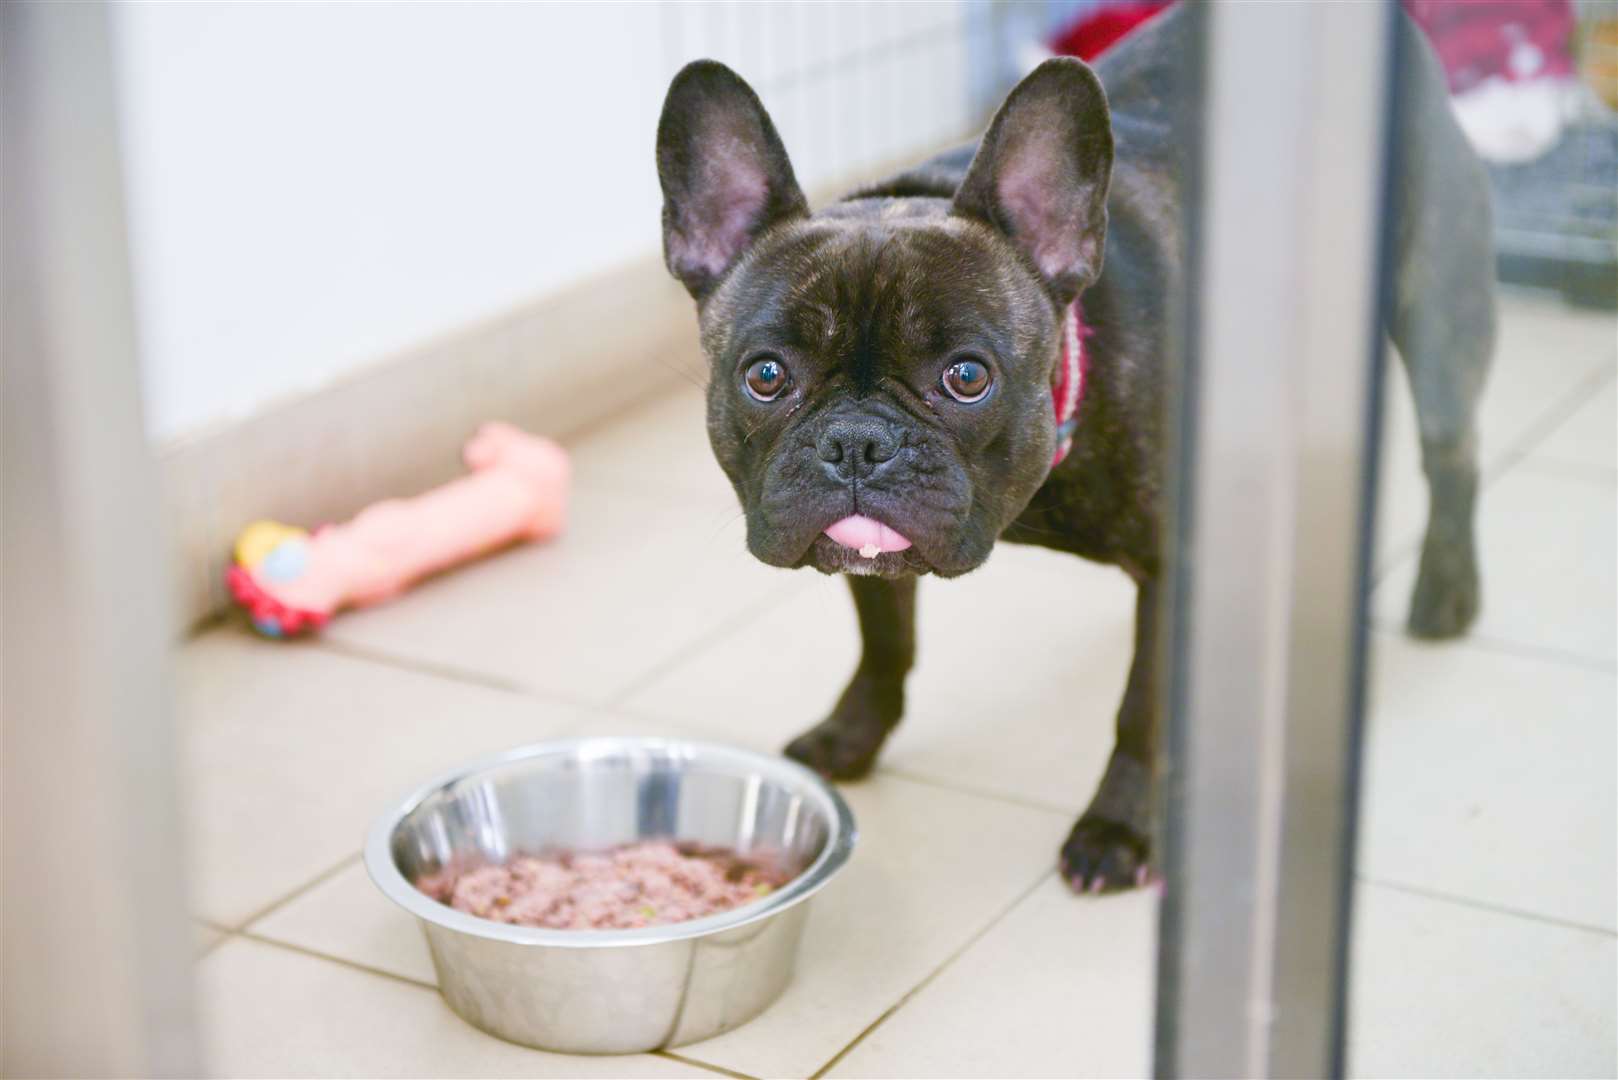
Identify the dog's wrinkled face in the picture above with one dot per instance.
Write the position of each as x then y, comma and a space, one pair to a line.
914, 373
881, 371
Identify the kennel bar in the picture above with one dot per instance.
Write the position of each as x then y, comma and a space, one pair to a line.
98, 947
1275, 461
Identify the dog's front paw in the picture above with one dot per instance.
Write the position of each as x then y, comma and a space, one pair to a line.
838, 750
1446, 597
845, 744
1104, 856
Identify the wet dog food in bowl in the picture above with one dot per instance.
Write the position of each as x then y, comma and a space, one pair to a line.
650, 883
577, 895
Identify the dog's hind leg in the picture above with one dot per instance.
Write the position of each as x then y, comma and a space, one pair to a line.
1446, 352
1442, 319
845, 744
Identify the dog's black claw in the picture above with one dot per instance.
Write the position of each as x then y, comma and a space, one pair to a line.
838, 751
1104, 856
1446, 597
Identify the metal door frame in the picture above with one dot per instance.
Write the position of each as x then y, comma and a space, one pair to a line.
1269, 554
98, 946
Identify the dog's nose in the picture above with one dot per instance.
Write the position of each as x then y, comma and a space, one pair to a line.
854, 449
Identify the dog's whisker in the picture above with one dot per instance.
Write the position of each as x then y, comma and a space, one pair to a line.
754, 430
728, 522
695, 380
1025, 527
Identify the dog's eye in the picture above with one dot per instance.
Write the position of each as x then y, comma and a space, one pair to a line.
967, 380
765, 379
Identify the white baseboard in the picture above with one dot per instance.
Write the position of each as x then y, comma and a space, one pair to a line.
554, 367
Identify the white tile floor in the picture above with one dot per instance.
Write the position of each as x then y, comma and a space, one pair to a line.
1487, 904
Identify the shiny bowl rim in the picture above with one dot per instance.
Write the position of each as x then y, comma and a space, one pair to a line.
386, 875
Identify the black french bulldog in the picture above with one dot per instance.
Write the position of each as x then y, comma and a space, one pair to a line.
883, 369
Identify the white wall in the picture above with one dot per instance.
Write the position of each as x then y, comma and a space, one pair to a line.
314, 186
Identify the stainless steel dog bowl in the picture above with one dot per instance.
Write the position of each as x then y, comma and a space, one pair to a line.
613, 991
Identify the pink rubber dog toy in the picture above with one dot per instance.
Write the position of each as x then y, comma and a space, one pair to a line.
291, 581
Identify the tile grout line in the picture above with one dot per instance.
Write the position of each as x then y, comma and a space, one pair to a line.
717, 1070
947, 962
316, 954
1582, 471
1555, 414
1552, 418
287, 898
684, 725
977, 792
383, 658
222, 935
702, 642
397, 662
1395, 557
1484, 905
1543, 653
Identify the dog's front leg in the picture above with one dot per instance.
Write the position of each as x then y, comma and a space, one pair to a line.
845, 744
1110, 846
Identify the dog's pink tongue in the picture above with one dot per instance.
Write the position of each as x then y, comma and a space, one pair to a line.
869, 538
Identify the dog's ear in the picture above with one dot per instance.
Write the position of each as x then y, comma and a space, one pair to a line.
725, 174
1041, 174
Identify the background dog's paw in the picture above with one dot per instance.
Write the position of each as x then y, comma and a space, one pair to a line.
1104, 856
838, 750
1447, 594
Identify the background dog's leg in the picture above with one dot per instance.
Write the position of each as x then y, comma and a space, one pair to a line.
1109, 847
1446, 339
845, 744
1443, 322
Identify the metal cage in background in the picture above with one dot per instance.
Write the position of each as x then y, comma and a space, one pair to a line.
1556, 218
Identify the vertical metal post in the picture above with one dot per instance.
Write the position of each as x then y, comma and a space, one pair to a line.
97, 972
1265, 668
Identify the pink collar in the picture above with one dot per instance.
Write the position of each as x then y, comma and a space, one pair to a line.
1069, 385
